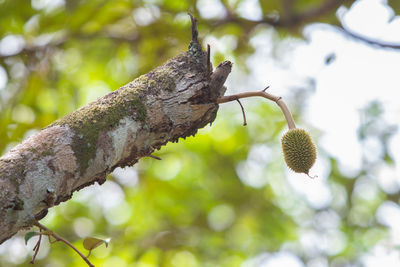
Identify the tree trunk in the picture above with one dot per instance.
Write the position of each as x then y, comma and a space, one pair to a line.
170, 102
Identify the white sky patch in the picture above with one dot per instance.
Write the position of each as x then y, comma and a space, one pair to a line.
127, 176
15, 250
315, 243
371, 18
107, 196
315, 191
381, 256
282, 259
394, 149
11, 45
389, 214
250, 9
252, 171
225, 45
119, 214
318, 262
327, 220
360, 74
211, 9
389, 178
144, 16
3, 78
83, 227
47, 5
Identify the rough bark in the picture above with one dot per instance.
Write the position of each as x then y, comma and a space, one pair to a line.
173, 101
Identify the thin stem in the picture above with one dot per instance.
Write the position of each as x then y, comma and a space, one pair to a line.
286, 112
154, 157
59, 238
277, 99
244, 115
36, 249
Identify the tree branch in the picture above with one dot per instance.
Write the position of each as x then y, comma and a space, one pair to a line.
345, 30
291, 19
173, 101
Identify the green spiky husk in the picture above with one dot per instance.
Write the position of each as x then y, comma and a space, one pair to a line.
299, 150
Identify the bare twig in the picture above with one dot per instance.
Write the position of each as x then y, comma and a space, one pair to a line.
36, 249
344, 29
277, 99
59, 238
154, 157
244, 114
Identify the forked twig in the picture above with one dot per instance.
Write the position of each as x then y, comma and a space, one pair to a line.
277, 99
59, 238
36, 249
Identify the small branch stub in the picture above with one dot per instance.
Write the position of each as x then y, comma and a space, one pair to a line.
195, 33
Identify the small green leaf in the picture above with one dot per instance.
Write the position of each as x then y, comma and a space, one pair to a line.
29, 235
90, 243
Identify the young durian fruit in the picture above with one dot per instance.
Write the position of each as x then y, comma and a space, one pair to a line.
299, 150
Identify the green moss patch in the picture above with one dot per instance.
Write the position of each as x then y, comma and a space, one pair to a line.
103, 114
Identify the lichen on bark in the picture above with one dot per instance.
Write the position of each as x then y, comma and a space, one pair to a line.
89, 121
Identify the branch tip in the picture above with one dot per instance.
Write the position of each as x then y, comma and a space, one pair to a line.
195, 33
312, 177
265, 89
154, 157
209, 67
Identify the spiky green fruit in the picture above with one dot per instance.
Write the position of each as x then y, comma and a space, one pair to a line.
299, 150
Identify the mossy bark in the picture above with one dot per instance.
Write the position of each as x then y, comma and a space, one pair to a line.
173, 101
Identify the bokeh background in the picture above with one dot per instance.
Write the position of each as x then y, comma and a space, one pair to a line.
225, 196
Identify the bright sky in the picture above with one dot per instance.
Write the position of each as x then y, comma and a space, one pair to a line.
359, 75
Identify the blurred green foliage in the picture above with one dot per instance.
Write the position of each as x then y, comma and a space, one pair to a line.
203, 204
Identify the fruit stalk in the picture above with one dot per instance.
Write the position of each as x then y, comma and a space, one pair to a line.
277, 99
